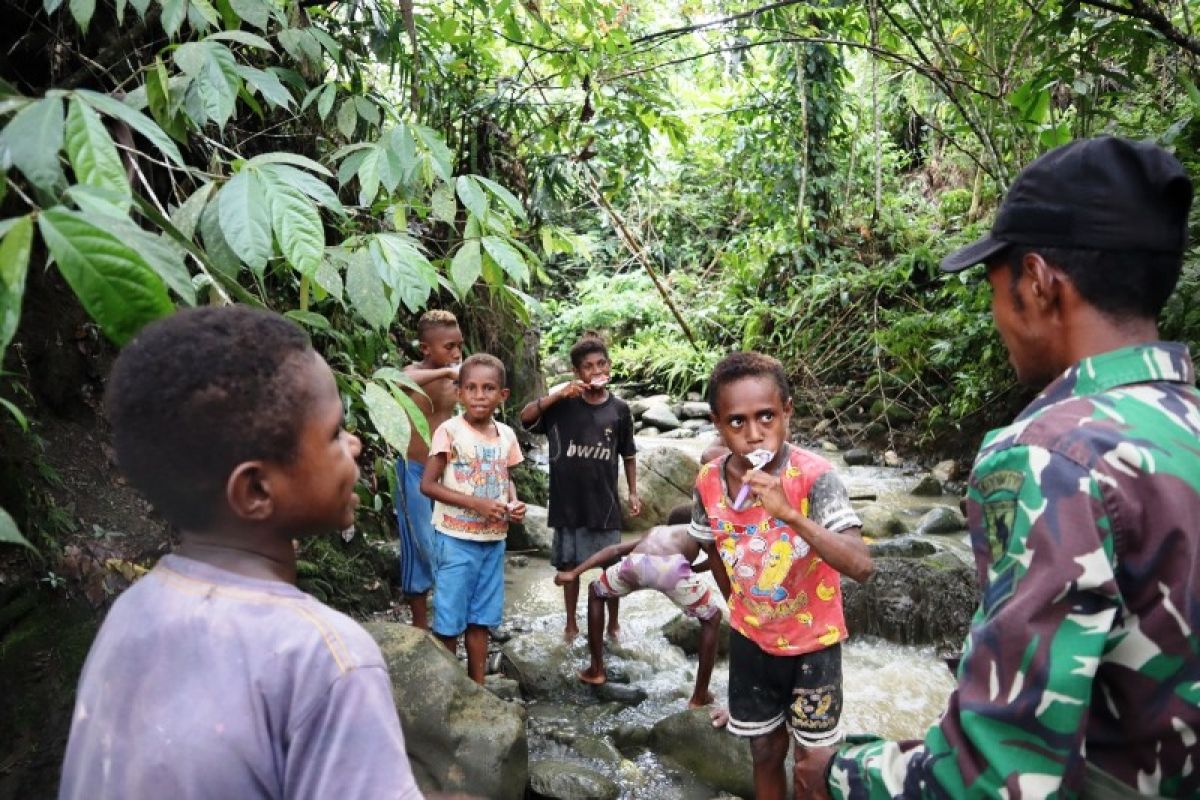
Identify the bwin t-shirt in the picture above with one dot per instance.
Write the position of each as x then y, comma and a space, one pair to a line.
585, 442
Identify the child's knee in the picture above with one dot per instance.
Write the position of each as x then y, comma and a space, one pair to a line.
770, 749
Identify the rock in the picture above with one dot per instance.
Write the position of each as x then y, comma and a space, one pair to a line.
563, 780
892, 411
502, 687
696, 424
650, 431
693, 397
460, 737
541, 662
696, 410
891, 458
621, 693
928, 486
684, 632
902, 547
858, 456
679, 433
828, 446
945, 470
716, 757
928, 600
879, 522
518, 561
534, 534
660, 416
821, 427
637, 407
665, 476
631, 736
942, 519
598, 748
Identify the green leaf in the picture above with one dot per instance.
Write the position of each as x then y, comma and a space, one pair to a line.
134, 119
404, 269
503, 195
10, 534
367, 110
443, 159
309, 318
114, 284
246, 219
398, 377
92, 152
222, 256
187, 216
415, 415
50, 6
471, 195
329, 279
241, 37
267, 84
160, 253
14, 264
17, 414
140, 6
465, 268
295, 159
173, 14
442, 203
255, 12
368, 176
96, 202
82, 11
347, 117
302, 181
507, 257
325, 101
297, 227
215, 80
31, 141
366, 291
202, 15
387, 416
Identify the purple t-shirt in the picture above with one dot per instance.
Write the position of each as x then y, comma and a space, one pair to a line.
206, 684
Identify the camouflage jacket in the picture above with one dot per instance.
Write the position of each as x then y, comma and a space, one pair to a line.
1085, 522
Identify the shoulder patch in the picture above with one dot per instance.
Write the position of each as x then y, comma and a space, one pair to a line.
998, 500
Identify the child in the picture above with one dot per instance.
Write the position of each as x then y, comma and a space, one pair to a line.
467, 477
660, 560
214, 676
783, 548
441, 345
589, 430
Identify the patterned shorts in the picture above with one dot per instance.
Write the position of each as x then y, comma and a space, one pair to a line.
671, 575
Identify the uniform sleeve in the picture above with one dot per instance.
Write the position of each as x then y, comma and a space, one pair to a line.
1017, 719
350, 745
625, 444
700, 528
829, 504
442, 441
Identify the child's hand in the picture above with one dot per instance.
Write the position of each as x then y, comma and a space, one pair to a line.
563, 578
769, 490
492, 510
635, 505
572, 389
516, 511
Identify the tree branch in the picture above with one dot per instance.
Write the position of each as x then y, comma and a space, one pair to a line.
1138, 9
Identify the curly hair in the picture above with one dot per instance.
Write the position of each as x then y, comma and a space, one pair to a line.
199, 392
435, 318
484, 360
589, 343
736, 366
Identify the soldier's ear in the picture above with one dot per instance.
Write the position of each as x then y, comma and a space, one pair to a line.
1045, 282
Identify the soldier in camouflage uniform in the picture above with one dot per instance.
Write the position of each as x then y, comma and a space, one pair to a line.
1081, 674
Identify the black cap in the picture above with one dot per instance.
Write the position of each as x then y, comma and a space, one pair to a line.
1092, 194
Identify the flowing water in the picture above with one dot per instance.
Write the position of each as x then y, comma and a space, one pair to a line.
893, 690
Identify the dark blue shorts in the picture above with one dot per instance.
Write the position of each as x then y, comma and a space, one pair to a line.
414, 513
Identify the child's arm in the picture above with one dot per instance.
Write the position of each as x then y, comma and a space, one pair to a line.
516, 509
432, 487
721, 575
533, 409
635, 502
610, 553
422, 376
844, 551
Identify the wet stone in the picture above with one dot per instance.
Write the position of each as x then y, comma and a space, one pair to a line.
942, 519
928, 486
563, 780
620, 693
903, 547
598, 748
858, 456
502, 687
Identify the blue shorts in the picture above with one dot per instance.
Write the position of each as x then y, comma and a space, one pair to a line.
414, 512
470, 584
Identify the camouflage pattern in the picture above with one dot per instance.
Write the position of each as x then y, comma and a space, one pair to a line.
1085, 522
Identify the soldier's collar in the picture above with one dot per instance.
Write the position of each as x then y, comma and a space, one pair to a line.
1142, 363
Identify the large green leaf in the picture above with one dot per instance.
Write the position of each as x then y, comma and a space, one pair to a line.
241, 37
368, 175
113, 282
82, 11
315, 188
329, 279
246, 219
14, 263
216, 246
387, 416
160, 253
347, 117
471, 195
92, 152
134, 119
443, 159
442, 203
297, 227
366, 291
404, 269
466, 266
10, 534
295, 159
31, 141
267, 84
507, 257
173, 14
503, 195
187, 216
213, 90
325, 101
255, 12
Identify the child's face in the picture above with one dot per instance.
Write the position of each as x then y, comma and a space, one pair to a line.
480, 392
442, 345
593, 365
314, 493
751, 414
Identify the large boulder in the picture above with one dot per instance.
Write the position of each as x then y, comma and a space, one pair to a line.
460, 737
925, 600
942, 519
858, 456
879, 522
533, 535
713, 755
684, 632
665, 477
696, 409
541, 662
555, 779
660, 416
928, 486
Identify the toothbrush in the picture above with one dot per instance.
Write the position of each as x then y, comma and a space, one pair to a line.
758, 459
599, 380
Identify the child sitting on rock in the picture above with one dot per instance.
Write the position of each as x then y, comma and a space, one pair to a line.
661, 560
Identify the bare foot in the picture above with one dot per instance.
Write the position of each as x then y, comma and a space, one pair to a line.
719, 716
613, 633
570, 633
593, 677
707, 700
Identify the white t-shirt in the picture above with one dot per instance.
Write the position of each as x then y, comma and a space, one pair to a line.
476, 464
